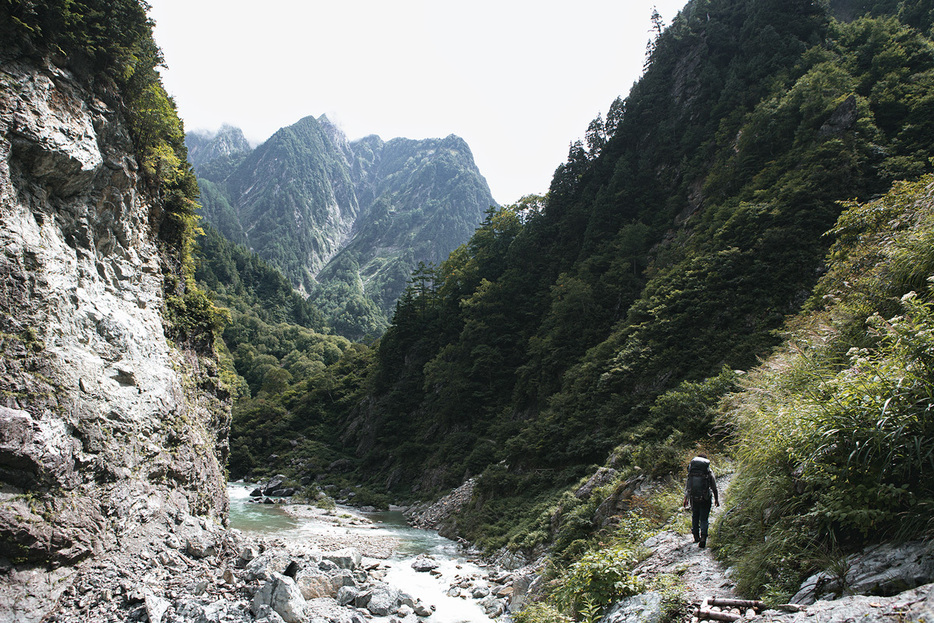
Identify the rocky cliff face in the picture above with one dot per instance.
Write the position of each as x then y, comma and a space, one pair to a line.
107, 431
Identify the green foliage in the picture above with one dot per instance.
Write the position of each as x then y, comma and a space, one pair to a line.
541, 613
835, 431
194, 317
600, 576
599, 579
670, 250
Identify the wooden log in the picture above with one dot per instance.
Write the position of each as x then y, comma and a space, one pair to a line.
736, 603
718, 616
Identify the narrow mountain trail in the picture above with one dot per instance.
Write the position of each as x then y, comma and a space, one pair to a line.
674, 552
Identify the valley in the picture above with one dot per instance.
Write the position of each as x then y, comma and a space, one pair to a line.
736, 259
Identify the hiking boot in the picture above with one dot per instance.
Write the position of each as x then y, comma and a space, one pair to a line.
696, 538
703, 543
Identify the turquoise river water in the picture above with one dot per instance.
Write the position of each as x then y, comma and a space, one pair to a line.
271, 520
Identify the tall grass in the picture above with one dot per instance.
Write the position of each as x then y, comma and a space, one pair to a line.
834, 434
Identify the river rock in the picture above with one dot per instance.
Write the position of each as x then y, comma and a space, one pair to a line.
384, 599
282, 595
326, 610
155, 608
479, 591
421, 609
193, 611
267, 564
348, 558
424, 563
248, 553
315, 584
345, 577
273, 483
346, 595
266, 614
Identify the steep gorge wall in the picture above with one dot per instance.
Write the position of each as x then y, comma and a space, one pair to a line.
106, 429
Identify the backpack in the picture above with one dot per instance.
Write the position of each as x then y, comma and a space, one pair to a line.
698, 480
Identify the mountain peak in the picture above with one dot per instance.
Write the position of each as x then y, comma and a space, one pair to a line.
205, 146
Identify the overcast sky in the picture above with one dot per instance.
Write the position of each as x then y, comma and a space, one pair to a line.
519, 80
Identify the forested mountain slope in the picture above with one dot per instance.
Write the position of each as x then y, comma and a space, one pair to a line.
347, 222
605, 322
671, 246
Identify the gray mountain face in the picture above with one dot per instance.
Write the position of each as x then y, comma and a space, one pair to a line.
204, 147
346, 221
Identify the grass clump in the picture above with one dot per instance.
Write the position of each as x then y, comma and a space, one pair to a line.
835, 432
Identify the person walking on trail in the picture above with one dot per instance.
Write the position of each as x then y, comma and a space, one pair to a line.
697, 493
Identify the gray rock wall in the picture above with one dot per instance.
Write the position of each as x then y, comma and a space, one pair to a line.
106, 429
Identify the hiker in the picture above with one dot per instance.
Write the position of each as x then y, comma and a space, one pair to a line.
701, 482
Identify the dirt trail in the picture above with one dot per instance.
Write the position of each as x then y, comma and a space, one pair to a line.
675, 552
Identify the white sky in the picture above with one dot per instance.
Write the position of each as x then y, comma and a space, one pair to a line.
519, 80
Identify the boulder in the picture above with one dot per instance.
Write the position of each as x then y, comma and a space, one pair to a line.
384, 600
641, 608
313, 584
421, 609
201, 546
346, 595
348, 558
520, 591
603, 476
326, 610
155, 608
492, 607
265, 566
480, 591
248, 553
424, 563
274, 483
268, 615
194, 611
881, 570
282, 595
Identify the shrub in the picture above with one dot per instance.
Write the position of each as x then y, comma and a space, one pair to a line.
599, 578
541, 613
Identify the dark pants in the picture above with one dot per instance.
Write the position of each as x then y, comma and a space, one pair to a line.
700, 517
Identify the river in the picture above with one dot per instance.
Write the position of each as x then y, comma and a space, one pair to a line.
406, 541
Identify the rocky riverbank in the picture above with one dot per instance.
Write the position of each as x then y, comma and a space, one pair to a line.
197, 573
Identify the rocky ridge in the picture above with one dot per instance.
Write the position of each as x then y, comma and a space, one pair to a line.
109, 434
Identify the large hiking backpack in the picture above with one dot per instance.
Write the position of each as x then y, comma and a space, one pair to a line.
698, 479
